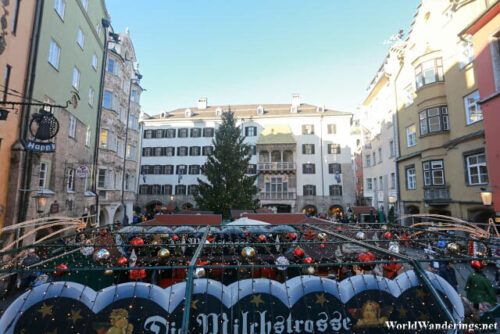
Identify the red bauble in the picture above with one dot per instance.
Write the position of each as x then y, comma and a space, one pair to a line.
137, 274
308, 260
476, 264
175, 238
137, 242
292, 236
103, 232
61, 267
322, 246
262, 238
298, 252
388, 235
122, 261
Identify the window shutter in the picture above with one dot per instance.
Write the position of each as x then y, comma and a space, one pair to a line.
303, 148
312, 148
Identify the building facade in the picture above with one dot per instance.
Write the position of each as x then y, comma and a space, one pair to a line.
442, 160
301, 154
119, 133
68, 61
15, 47
485, 33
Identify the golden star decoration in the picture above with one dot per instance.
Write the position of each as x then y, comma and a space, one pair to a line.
402, 311
194, 304
421, 293
45, 310
320, 299
75, 316
257, 300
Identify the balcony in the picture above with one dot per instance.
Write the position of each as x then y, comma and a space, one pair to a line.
276, 166
437, 195
277, 196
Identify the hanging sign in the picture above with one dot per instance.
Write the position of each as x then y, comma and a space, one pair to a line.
43, 127
82, 171
303, 304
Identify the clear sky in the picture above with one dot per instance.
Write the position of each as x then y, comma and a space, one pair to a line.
259, 51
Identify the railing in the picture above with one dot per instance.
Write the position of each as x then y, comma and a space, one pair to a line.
276, 166
441, 194
277, 196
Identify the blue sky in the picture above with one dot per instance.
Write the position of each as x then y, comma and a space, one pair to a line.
261, 51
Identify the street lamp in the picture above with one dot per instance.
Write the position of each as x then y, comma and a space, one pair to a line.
392, 200
486, 197
41, 202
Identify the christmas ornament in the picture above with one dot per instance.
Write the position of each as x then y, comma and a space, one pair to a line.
308, 260
262, 238
322, 246
108, 272
61, 267
291, 236
137, 274
452, 247
282, 262
248, 253
298, 252
476, 264
441, 244
361, 236
137, 242
310, 270
366, 257
164, 253
103, 232
101, 255
388, 235
384, 227
122, 261
322, 236
199, 273
175, 238
394, 248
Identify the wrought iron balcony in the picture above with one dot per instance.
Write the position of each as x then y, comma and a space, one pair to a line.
437, 195
276, 166
277, 196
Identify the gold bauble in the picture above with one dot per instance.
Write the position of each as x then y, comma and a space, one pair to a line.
108, 272
248, 252
452, 247
164, 253
322, 236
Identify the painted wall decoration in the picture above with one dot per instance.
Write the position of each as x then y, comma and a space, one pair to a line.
304, 304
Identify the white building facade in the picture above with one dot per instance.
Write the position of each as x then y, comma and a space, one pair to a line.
301, 154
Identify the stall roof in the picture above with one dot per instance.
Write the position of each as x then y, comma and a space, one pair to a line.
278, 218
363, 209
189, 219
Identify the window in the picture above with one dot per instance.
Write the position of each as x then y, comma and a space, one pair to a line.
411, 178
88, 137
143, 189
411, 135
111, 66
148, 134
72, 126
253, 149
208, 150
180, 189
381, 182
166, 189
309, 190
193, 189
434, 120
307, 148
156, 189
252, 169
85, 4
70, 180
408, 95
54, 54
429, 72
194, 151
183, 133
335, 190
181, 169
91, 97
308, 168
131, 152
182, 151
146, 151
157, 151
374, 183
368, 159
250, 131
333, 148
379, 155
195, 132
107, 100
194, 169
393, 180
334, 168
94, 62
15, 17
374, 158
158, 133
465, 53
76, 78
473, 111
134, 97
6, 81
392, 148
477, 171
42, 183
169, 151
208, 132
103, 141
308, 129
170, 133
369, 185
132, 122
101, 178
433, 173
332, 129
80, 38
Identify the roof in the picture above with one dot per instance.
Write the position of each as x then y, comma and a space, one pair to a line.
482, 20
278, 218
194, 212
248, 110
276, 134
235, 214
189, 219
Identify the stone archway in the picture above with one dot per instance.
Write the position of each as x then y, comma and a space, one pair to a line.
480, 215
118, 216
310, 209
187, 206
152, 206
103, 217
333, 210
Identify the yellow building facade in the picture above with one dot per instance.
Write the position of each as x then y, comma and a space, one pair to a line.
442, 159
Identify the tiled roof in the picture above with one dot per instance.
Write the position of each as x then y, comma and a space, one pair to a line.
190, 219
247, 110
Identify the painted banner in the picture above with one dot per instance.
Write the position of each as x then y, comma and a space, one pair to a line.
303, 304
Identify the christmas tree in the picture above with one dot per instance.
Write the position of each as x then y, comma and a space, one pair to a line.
228, 187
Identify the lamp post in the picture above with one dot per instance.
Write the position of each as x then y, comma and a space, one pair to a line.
40, 203
392, 201
486, 197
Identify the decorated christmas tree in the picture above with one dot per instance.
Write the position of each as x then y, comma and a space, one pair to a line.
228, 187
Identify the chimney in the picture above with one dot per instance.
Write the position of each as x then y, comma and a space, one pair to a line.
202, 103
295, 100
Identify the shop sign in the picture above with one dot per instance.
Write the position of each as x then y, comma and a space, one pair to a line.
43, 127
